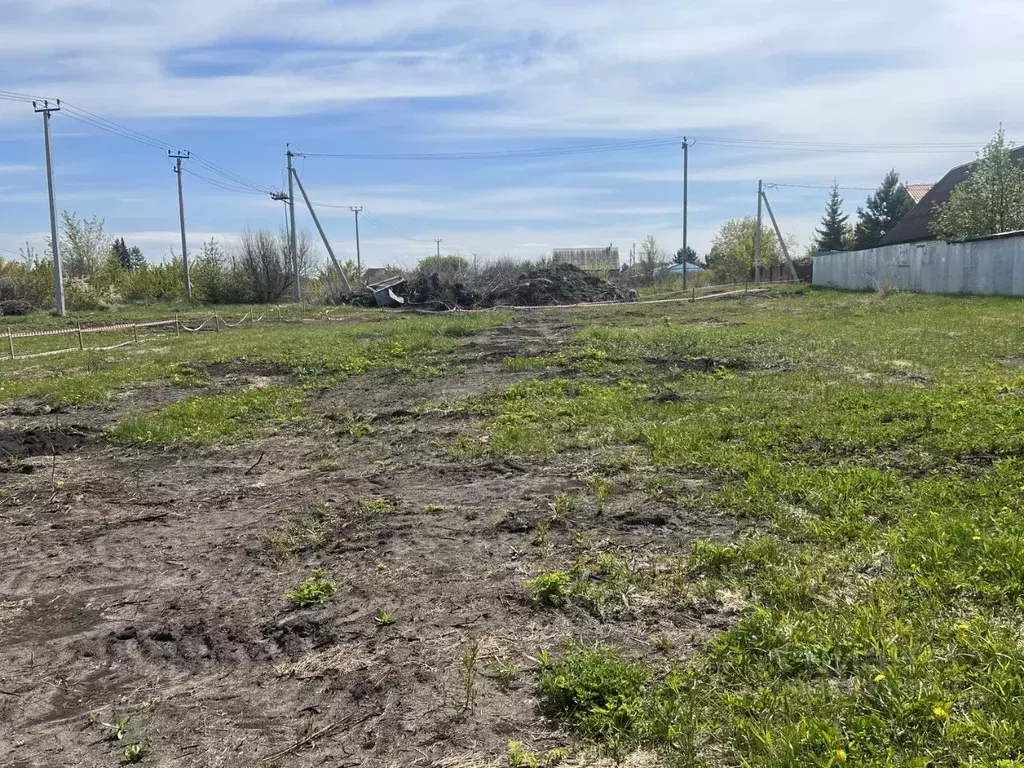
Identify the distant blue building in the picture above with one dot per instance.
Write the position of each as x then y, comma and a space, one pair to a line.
689, 268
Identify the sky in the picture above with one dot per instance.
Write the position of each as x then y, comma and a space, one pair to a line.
795, 92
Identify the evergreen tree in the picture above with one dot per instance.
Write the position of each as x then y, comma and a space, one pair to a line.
990, 200
884, 209
129, 259
832, 235
136, 258
689, 257
120, 251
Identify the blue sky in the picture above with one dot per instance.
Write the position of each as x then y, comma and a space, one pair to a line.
235, 81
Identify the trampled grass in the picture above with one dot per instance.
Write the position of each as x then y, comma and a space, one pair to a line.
205, 420
879, 442
319, 354
875, 446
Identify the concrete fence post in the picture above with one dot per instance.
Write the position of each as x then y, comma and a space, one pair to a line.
10, 341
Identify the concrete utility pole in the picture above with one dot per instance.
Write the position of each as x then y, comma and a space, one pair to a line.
359, 261
778, 233
757, 234
178, 157
320, 229
58, 278
686, 174
438, 241
297, 291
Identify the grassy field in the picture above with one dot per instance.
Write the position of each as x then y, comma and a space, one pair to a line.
780, 530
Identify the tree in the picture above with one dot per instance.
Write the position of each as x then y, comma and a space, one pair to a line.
990, 200
130, 259
732, 250
650, 257
690, 257
83, 245
265, 262
443, 264
884, 209
832, 235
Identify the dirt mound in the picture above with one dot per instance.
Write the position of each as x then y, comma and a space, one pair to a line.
24, 444
535, 287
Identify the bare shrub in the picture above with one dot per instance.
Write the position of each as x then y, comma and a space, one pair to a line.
265, 260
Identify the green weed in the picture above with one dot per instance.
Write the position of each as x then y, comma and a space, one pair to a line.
315, 590
374, 507
217, 418
549, 589
134, 753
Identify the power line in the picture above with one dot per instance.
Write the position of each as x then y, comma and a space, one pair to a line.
535, 152
223, 185
776, 185
101, 123
23, 97
837, 144
241, 180
721, 141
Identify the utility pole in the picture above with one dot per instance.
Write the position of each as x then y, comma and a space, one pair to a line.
686, 174
297, 291
782, 242
757, 234
58, 279
359, 262
438, 241
178, 157
320, 229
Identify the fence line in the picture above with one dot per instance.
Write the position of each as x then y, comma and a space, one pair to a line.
179, 325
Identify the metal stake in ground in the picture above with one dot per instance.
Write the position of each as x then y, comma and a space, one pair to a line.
58, 280
178, 157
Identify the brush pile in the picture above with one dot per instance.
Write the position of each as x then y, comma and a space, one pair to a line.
503, 285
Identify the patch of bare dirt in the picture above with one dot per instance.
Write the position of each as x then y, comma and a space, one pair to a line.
144, 584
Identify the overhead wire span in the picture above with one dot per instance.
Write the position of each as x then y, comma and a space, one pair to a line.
534, 152
777, 185
222, 185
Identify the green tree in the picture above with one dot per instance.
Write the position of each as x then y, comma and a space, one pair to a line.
649, 258
83, 245
832, 235
689, 257
990, 200
445, 264
884, 209
732, 250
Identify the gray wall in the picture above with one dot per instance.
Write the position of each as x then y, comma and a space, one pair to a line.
985, 267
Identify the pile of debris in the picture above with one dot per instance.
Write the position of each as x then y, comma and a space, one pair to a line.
537, 286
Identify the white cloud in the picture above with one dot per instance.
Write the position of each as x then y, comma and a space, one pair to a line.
875, 71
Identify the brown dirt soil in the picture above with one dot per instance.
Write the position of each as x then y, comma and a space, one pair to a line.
142, 583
